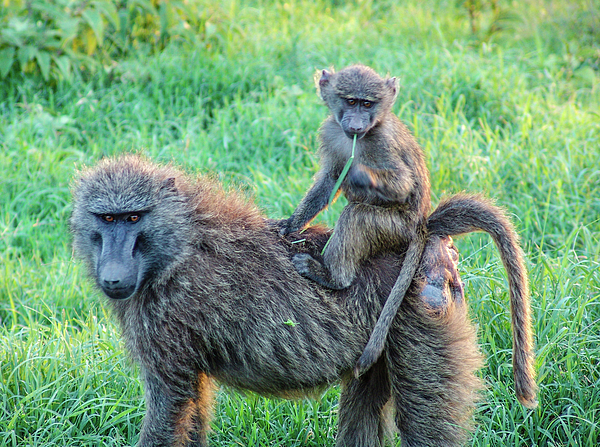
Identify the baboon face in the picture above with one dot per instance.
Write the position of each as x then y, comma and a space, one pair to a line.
118, 240
357, 97
356, 116
122, 224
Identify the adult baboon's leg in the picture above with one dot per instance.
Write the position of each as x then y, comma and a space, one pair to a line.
432, 357
361, 412
174, 420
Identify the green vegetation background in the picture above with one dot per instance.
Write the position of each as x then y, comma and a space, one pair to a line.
503, 96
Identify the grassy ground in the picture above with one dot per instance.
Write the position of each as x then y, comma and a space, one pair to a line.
511, 111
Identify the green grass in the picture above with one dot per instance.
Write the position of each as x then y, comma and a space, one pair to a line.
513, 114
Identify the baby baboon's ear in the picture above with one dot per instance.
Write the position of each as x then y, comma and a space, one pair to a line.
322, 78
325, 76
392, 84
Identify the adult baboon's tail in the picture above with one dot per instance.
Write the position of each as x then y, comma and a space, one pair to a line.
465, 213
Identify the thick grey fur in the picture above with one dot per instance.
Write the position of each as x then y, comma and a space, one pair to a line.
215, 287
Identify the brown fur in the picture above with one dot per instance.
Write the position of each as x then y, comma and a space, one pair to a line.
214, 289
191, 425
185, 423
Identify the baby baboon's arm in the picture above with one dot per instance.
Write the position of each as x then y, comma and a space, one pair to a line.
315, 200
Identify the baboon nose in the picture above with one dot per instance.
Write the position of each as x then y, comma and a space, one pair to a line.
111, 283
116, 281
111, 276
117, 289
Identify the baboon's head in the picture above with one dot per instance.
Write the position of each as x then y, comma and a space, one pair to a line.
357, 96
125, 215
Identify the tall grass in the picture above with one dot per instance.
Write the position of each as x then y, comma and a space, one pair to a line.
513, 114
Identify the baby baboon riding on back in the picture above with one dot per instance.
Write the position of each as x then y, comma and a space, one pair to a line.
387, 188
388, 192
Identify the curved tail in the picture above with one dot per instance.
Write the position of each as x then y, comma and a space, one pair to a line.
465, 213
376, 343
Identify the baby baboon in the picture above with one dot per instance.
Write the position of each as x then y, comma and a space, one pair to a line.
203, 287
387, 188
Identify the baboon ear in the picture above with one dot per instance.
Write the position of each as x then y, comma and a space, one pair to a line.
392, 84
169, 185
322, 78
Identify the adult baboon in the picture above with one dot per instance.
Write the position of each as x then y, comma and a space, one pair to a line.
387, 188
202, 286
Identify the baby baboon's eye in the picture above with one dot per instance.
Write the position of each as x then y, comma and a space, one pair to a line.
367, 104
108, 218
351, 101
133, 218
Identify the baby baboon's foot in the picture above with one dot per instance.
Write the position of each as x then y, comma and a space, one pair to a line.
310, 268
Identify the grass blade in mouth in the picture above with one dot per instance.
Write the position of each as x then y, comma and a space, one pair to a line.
339, 183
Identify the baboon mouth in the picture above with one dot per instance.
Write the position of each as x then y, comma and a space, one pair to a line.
359, 135
119, 293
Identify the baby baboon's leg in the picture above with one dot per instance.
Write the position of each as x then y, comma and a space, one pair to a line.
175, 420
349, 244
359, 229
361, 412
432, 358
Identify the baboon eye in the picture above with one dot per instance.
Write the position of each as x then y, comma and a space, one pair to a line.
367, 104
351, 101
133, 218
108, 218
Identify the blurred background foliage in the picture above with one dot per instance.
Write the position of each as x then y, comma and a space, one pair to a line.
60, 39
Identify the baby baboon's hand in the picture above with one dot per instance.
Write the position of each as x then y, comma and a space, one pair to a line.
361, 177
282, 226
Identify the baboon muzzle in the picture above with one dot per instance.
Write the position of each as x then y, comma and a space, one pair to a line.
356, 126
117, 270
